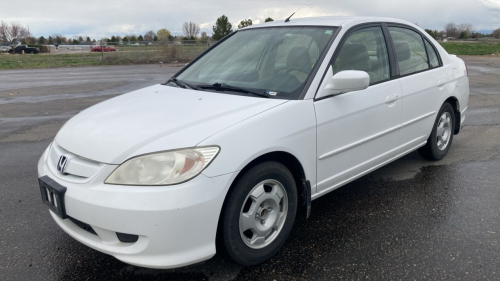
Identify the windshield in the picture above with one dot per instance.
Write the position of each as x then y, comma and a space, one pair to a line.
275, 62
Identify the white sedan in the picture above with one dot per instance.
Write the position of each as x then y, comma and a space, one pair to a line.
236, 145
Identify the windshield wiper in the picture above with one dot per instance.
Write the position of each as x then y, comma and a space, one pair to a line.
224, 87
183, 84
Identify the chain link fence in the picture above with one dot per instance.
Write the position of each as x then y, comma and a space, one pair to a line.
166, 52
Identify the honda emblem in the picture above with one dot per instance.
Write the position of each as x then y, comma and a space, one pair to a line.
63, 160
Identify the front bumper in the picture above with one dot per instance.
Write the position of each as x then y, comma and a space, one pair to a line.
176, 224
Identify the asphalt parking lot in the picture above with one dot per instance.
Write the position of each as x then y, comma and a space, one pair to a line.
412, 219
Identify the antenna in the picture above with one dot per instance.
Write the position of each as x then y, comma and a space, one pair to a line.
288, 19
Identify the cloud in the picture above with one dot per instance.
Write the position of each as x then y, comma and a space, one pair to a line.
121, 17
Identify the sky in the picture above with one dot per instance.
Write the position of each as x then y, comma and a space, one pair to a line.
103, 18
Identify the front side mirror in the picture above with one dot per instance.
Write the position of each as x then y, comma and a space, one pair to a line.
348, 81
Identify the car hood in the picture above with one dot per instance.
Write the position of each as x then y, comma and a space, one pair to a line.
154, 119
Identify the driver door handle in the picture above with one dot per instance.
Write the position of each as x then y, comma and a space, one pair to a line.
391, 98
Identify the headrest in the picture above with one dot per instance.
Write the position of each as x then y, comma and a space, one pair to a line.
299, 57
354, 57
402, 50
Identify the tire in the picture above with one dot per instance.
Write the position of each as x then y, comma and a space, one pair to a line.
266, 195
32, 52
439, 142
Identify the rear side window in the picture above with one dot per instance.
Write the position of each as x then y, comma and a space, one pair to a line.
433, 59
364, 50
410, 50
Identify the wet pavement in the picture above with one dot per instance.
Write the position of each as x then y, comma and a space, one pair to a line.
411, 219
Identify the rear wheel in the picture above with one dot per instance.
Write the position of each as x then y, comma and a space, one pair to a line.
439, 142
259, 213
32, 52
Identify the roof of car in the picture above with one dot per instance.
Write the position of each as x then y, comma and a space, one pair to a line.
328, 21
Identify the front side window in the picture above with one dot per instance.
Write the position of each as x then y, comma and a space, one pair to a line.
364, 50
272, 61
410, 50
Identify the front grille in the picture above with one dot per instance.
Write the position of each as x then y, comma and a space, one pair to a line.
123, 237
83, 225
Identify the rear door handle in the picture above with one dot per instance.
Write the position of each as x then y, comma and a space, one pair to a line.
391, 98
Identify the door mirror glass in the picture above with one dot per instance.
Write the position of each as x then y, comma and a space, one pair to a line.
349, 81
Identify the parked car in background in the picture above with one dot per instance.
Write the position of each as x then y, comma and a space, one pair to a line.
237, 143
27, 50
4, 49
99, 48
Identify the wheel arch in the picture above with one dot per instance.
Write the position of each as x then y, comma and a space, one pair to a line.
453, 101
293, 164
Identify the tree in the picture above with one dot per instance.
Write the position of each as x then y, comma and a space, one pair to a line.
441, 34
496, 33
41, 40
244, 23
466, 28
155, 38
140, 38
88, 39
221, 28
149, 35
451, 30
13, 33
268, 19
51, 41
190, 29
132, 38
204, 36
76, 42
80, 39
163, 34
431, 33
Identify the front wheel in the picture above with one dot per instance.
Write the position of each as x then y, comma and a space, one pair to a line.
259, 213
439, 141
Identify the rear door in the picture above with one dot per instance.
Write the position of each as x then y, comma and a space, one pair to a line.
422, 80
357, 131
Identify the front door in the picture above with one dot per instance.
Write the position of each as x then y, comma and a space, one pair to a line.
357, 131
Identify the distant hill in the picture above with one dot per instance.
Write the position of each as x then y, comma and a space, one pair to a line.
485, 31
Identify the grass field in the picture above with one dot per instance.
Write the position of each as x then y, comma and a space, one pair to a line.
471, 48
49, 60
130, 55
156, 54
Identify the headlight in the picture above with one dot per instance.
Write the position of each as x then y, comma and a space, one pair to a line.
163, 168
